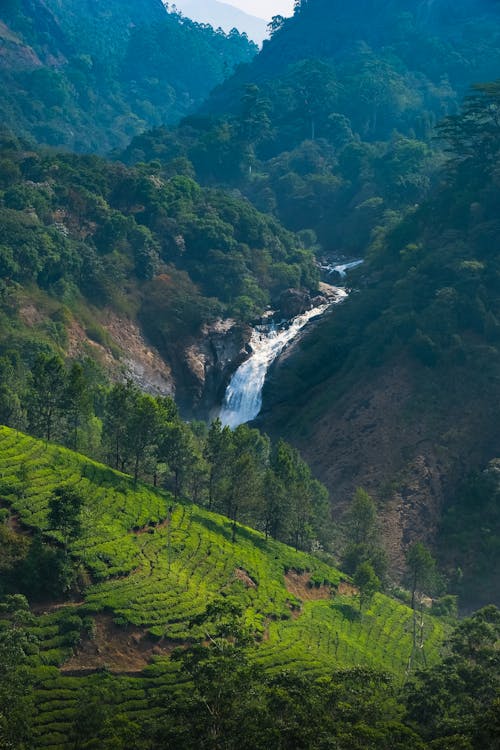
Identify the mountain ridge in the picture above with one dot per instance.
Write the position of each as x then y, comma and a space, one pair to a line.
88, 76
224, 15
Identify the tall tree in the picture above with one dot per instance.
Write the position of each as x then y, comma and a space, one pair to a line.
65, 507
46, 395
365, 579
117, 414
363, 536
77, 402
16, 709
216, 452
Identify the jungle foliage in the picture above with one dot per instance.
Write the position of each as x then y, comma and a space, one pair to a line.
88, 77
331, 127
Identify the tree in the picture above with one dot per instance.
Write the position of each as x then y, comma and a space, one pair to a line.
65, 506
421, 573
276, 507
216, 452
16, 644
367, 582
117, 413
362, 518
225, 709
421, 569
46, 395
143, 430
178, 451
454, 703
363, 536
98, 724
77, 402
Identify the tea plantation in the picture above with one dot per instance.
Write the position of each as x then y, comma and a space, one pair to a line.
150, 566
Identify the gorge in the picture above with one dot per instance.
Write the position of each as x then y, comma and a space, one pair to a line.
243, 397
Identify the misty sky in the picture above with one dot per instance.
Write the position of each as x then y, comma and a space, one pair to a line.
264, 8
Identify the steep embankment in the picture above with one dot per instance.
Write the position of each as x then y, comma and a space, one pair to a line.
148, 567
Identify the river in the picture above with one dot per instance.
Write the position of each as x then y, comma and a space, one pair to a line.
243, 397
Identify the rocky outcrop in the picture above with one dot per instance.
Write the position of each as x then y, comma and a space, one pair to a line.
205, 365
294, 302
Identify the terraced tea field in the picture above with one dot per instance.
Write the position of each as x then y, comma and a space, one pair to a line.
154, 565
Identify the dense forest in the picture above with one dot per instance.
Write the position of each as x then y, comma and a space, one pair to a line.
430, 296
331, 127
84, 238
88, 76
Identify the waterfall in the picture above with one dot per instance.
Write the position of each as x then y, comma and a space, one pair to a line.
243, 399
341, 268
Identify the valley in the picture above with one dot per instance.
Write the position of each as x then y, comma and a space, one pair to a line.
249, 368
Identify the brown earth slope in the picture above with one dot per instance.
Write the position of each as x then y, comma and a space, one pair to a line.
408, 434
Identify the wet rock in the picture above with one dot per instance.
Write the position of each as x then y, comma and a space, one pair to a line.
209, 362
294, 302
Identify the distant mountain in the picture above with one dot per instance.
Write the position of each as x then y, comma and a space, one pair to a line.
225, 16
89, 75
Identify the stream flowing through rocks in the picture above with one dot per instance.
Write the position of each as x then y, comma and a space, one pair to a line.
243, 397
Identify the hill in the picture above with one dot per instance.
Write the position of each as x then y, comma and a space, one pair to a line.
88, 76
331, 126
335, 128
149, 568
224, 16
400, 385
135, 269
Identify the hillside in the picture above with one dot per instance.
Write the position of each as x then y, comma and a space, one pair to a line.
149, 567
401, 384
331, 126
141, 270
88, 76
335, 128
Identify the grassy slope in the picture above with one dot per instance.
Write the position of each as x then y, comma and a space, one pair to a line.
131, 580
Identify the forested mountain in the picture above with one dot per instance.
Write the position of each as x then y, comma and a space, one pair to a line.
138, 610
225, 16
89, 75
331, 126
334, 128
401, 383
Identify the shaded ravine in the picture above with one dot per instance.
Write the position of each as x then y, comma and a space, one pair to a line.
243, 398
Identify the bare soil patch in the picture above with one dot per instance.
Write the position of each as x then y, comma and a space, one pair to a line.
347, 589
121, 650
150, 528
299, 584
243, 576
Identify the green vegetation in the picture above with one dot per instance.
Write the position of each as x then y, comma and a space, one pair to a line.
153, 602
83, 239
151, 562
89, 79
429, 300
331, 127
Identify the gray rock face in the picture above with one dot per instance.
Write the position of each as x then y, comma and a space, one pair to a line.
209, 362
294, 302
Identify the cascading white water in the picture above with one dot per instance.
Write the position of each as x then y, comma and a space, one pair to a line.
341, 268
243, 399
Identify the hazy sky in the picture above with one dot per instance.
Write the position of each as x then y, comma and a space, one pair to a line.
264, 8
